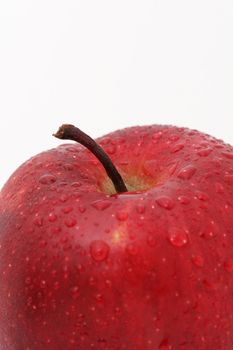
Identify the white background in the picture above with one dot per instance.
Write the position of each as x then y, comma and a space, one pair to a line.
104, 65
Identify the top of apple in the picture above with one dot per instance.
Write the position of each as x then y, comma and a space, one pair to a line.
147, 157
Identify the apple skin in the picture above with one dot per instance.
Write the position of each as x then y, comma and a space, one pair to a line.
83, 268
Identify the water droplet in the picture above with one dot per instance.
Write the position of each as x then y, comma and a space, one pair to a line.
219, 187
99, 298
80, 268
108, 283
228, 155
71, 149
76, 184
99, 250
202, 196
105, 141
29, 301
198, 260
209, 231
187, 172
43, 243
52, 217
82, 209
111, 149
151, 240
229, 179
75, 292
55, 230
121, 215
140, 208
43, 284
92, 281
174, 138
177, 148
228, 265
38, 221
71, 222
204, 152
56, 285
132, 249
64, 239
183, 199
68, 166
102, 342
28, 280
165, 202
47, 179
178, 238
209, 284
156, 136
63, 198
101, 204
164, 345
67, 210
172, 168
18, 226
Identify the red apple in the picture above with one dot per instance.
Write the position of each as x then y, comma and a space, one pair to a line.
85, 268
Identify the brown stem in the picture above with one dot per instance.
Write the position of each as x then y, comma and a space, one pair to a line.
70, 132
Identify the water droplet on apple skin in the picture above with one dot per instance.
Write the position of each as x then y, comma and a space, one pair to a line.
43, 284
202, 196
219, 188
52, 217
228, 265
47, 179
28, 280
132, 249
156, 136
140, 208
43, 243
187, 172
63, 198
99, 250
227, 155
177, 148
151, 241
164, 345
122, 215
70, 222
38, 221
204, 152
178, 238
165, 202
198, 260
101, 204
183, 199
76, 184
81, 209
68, 166
110, 149
75, 292
56, 285
67, 210
209, 284
99, 298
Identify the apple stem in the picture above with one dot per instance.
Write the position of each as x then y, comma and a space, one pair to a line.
70, 132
